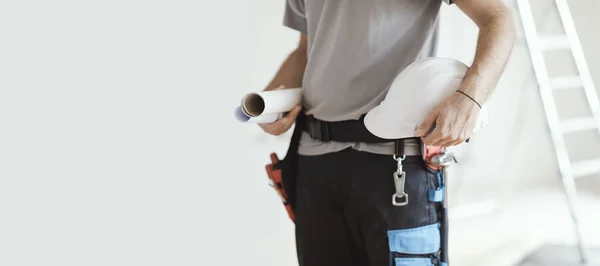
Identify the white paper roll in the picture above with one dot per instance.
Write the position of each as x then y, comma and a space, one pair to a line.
265, 118
271, 102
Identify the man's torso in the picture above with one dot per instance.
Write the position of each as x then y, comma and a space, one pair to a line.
356, 49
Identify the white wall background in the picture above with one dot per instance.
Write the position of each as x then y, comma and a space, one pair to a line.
517, 150
118, 147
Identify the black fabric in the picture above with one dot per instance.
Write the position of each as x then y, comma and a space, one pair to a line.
344, 207
444, 219
341, 131
288, 165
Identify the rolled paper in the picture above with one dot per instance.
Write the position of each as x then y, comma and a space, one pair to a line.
271, 102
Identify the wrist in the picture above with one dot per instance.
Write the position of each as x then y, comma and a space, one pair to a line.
466, 95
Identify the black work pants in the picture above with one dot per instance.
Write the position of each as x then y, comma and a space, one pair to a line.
345, 216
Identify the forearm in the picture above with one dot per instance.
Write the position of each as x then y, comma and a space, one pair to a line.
494, 46
291, 72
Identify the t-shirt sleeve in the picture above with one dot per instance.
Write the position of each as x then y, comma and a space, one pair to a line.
294, 16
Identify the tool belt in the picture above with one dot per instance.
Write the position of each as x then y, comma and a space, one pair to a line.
282, 172
341, 131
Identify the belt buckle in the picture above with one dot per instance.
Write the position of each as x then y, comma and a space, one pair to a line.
319, 129
324, 131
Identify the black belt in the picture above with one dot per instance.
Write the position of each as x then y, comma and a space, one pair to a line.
340, 131
344, 131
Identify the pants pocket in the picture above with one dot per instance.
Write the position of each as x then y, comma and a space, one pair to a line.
421, 187
418, 246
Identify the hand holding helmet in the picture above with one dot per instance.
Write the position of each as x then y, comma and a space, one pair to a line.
423, 102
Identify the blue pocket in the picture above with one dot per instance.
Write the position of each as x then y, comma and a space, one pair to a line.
415, 241
437, 195
413, 262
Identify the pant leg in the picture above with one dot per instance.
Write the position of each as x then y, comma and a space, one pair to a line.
322, 236
390, 235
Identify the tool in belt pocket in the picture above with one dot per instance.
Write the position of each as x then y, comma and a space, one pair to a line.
275, 175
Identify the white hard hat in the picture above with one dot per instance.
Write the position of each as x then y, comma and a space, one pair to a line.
415, 91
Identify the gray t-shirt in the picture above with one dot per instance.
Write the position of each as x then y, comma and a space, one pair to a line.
355, 50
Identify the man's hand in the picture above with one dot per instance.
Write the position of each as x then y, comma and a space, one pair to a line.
291, 74
283, 124
453, 120
450, 123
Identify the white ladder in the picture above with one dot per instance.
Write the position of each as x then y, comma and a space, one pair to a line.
558, 129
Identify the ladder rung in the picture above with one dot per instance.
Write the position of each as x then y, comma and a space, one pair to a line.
566, 82
585, 168
578, 124
554, 42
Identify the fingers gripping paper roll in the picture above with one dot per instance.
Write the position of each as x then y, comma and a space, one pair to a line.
267, 106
